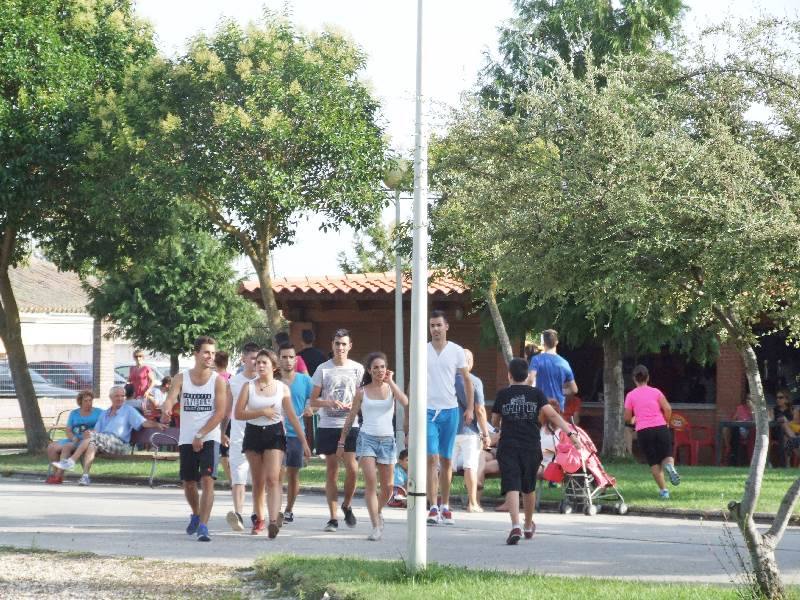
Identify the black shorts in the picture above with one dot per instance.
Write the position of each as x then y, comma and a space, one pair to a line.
328, 440
518, 468
260, 438
195, 465
655, 443
226, 450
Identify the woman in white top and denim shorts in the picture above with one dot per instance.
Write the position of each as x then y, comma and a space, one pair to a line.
375, 448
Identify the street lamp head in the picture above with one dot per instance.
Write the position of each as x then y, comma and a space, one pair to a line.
398, 175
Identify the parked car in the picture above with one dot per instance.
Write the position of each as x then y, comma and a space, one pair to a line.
42, 388
73, 376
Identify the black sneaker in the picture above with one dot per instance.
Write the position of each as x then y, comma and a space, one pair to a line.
288, 517
332, 526
253, 518
349, 517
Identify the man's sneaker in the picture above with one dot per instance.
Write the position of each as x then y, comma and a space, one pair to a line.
194, 523
674, 478
235, 520
272, 530
65, 465
258, 526
447, 516
375, 535
433, 516
349, 517
528, 533
514, 536
202, 533
664, 494
332, 526
84, 480
288, 517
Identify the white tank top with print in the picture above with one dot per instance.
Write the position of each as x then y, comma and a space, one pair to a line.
197, 407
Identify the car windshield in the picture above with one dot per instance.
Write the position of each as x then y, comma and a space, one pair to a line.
5, 372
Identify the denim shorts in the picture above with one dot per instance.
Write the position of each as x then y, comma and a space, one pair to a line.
382, 448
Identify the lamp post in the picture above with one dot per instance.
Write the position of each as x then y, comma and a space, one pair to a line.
417, 455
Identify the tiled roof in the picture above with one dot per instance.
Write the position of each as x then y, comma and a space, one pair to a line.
40, 287
359, 285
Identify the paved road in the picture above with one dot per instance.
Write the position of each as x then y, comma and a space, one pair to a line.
138, 521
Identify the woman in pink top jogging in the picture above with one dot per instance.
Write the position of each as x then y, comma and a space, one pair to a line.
652, 412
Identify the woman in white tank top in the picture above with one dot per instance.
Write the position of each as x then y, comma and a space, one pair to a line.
375, 449
263, 404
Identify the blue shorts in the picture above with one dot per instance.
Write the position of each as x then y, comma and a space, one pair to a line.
382, 448
294, 458
442, 429
65, 441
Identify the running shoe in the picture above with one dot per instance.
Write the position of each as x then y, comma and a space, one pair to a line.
84, 480
433, 516
288, 517
65, 465
514, 536
664, 494
674, 478
272, 530
235, 520
447, 516
194, 523
202, 533
253, 518
258, 527
528, 533
332, 526
375, 535
349, 517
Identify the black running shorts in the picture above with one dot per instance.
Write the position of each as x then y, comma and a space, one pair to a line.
328, 440
195, 465
655, 443
518, 468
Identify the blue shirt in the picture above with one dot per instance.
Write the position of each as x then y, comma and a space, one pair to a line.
78, 423
121, 424
552, 372
461, 396
301, 393
400, 476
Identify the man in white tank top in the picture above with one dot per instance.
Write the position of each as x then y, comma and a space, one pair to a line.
203, 398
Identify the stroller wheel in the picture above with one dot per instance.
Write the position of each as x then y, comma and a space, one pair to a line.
590, 510
564, 507
622, 508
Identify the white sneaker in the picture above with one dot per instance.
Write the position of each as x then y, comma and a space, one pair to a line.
84, 480
65, 465
375, 535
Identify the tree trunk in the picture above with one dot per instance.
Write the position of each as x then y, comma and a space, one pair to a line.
174, 367
274, 318
497, 319
614, 395
761, 548
11, 332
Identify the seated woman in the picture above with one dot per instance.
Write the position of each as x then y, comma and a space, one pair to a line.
82, 418
792, 433
780, 415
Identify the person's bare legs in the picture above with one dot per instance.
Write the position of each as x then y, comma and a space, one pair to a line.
386, 480
370, 488
512, 500
88, 457
350, 478
83, 447
226, 467
331, 484
258, 475
658, 475
471, 483
237, 495
528, 504
292, 487
207, 499
273, 459
433, 478
58, 452
192, 497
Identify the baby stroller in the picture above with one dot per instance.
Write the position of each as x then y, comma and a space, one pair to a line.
586, 483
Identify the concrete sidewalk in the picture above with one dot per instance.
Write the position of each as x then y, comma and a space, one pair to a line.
138, 521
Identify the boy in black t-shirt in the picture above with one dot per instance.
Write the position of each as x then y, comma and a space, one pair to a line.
519, 452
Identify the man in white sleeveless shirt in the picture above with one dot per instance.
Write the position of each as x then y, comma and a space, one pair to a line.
203, 398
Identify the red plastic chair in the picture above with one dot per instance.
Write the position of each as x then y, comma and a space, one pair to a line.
690, 437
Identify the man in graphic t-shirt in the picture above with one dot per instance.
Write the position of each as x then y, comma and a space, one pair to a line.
335, 383
551, 373
203, 397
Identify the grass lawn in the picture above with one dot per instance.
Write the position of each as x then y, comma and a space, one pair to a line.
12, 436
312, 577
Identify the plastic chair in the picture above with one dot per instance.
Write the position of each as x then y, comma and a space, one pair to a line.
693, 438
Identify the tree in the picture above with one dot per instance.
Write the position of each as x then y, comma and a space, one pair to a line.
185, 288
257, 128
55, 56
679, 202
544, 32
375, 251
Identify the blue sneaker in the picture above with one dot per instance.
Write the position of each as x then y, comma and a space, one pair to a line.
194, 522
202, 533
674, 478
664, 494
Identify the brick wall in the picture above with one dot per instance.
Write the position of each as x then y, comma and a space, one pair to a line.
730, 381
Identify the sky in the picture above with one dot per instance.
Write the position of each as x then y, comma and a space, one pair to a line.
456, 36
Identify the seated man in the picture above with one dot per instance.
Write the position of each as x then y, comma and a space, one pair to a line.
111, 434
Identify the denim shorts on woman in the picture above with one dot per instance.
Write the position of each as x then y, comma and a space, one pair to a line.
382, 448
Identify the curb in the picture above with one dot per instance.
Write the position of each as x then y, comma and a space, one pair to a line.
545, 506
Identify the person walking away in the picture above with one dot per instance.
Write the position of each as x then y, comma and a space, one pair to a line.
516, 414
376, 449
552, 373
651, 411
335, 382
311, 355
300, 388
203, 398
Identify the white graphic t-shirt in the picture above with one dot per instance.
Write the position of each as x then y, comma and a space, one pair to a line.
197, 407
337, 383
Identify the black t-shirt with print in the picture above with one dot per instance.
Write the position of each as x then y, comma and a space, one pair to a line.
519, 406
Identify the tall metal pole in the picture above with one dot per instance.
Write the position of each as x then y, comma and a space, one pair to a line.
417, 535
399, 367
